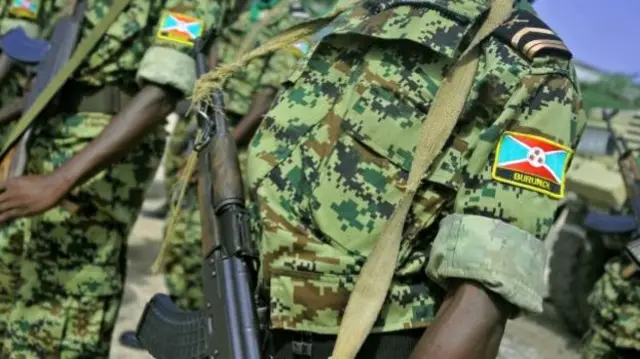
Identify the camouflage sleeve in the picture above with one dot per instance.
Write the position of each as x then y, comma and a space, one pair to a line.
510, 191
168, 60
22, 14
278, 68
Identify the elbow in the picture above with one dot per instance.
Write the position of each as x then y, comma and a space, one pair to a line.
162, 98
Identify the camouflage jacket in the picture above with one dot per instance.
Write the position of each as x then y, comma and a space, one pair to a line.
331, 159
266, 71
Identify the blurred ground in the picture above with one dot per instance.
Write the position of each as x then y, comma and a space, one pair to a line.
540, 337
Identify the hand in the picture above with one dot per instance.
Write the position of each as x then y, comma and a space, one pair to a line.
29, 195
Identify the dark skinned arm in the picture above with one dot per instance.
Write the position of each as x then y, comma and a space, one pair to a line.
243, 132
13, 110
5, 66
469, 324
149, 107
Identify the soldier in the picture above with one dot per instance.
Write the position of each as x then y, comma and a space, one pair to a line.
329, 166
100, 151
615, 320
247, 96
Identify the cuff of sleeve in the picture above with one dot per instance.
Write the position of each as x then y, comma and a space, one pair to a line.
502, 257
168, 67
31, 29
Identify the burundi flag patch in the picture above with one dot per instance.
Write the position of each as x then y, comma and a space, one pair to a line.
180, 28
300, 48
532, 162
27, 9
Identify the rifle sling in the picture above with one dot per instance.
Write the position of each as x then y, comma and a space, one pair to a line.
374, 280
80, 53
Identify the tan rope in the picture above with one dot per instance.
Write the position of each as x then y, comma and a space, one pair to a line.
176, 208
213, 80
373, 283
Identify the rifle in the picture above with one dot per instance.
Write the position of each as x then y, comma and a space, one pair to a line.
63, 39
228, 326
631, 176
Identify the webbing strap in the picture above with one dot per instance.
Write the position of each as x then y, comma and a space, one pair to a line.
374, 280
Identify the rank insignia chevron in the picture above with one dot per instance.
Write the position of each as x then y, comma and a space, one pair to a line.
530, 36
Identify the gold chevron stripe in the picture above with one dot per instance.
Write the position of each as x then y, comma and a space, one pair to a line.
527, 30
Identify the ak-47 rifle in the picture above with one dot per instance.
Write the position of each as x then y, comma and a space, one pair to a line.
228, 326
63, 41
630, 172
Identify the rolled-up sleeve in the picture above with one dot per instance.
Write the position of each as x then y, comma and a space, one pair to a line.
505, 206
168, 61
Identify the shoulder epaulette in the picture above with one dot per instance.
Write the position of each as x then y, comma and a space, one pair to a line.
530, 36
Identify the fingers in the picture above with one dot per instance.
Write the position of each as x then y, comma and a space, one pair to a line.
12, 214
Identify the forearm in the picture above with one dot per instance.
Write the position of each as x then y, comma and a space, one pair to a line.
5, 66
149, 107
12, 110
243, 132
470, 324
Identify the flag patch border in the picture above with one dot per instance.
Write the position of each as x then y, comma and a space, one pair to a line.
165, 14
293, 49
494, 175
23, 12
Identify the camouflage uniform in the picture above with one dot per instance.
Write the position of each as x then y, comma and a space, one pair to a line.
182, 269
331, 159
615, 320
63, 273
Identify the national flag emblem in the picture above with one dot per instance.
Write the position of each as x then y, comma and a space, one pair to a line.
300, 48
24, 8
532, 162
180, 28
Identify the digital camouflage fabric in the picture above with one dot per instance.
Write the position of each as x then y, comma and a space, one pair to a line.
330, 163
615, 320
267, 71
61, 273
183, 263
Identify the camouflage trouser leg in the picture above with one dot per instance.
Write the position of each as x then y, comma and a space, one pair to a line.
178, 145
182, 267
615, 321
11, 237
11, 243
66, 269
68, 327
183, 276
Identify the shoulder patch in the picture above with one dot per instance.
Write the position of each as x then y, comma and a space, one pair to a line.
26, 9
299, 49
530, 36
179, 28
531, 162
